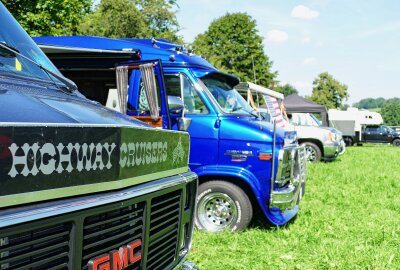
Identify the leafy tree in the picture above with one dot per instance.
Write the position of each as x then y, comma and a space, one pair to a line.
328, 91
286, 89
370, 103
161, 18
49, 17
233, 45
133, 18
391, 112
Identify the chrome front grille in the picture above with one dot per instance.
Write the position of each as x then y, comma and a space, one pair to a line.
292, 165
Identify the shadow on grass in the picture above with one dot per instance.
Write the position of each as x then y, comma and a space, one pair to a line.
261, 222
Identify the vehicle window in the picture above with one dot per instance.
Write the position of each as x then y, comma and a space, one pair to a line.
13, 35
372, 129
226, 96
192, 101
143, 105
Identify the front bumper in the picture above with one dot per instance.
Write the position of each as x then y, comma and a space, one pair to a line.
331, 150
290, 180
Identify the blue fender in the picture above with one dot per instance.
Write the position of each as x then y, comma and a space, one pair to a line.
260, 190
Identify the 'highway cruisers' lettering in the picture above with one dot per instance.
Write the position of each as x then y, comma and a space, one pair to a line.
50, 158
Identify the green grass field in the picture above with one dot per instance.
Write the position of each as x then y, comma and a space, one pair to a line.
349, 219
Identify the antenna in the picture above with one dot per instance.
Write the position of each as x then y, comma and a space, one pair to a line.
254, 70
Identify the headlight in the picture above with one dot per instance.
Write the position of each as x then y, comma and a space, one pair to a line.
330, 137
290, 138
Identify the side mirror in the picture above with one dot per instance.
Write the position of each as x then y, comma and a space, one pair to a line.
175, 105
184, 123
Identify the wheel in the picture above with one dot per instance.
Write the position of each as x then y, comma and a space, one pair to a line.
396, 142
313, 151
221, 206
348, 140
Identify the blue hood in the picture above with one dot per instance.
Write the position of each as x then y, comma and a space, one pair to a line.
251, 129
39, 102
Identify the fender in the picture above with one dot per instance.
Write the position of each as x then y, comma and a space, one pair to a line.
232, 171
275, 216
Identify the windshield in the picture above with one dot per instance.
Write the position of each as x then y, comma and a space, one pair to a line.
229, 100
305, 119
12, 34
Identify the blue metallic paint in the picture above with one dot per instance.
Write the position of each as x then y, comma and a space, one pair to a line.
212, 134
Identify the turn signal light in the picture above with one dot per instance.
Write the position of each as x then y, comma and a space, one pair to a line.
265, 156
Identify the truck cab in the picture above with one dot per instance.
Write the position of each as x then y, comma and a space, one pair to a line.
73, 196
244, 164
381, 134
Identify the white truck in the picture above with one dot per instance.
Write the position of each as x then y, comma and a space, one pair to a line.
322, 143
353, 121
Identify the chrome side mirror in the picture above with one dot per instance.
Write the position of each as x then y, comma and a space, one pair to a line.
175, 105
184, 123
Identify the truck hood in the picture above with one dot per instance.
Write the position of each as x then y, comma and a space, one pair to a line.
34, 102
249, 128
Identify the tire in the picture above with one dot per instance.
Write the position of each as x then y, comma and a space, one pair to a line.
396, 142
313, 151
349, 141
222, 206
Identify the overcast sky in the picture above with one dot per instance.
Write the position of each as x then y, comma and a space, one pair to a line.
358, 42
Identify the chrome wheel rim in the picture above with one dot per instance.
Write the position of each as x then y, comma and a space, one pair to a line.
216, 212
311, 153
396, 143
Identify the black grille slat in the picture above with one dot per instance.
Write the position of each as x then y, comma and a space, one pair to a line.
110, 238
165, 223
129, 215
174, 205
47, 238
162, 265
42, 248
164, 246
44, 261
162, 203
33, 253
129, 223
162, 236
174, 213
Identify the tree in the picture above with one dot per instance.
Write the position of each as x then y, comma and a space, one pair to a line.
286, 89
133, 18
328, 91
391, 112
49, 17
161, 19
370, 103
232, 44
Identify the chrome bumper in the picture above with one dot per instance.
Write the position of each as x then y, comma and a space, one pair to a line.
290, 178
331, 150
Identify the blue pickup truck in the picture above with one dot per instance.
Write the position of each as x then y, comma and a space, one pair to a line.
244, 164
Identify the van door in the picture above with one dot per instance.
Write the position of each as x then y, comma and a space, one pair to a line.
203, 131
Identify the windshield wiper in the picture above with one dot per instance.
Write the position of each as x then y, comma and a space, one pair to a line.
13, 52
7, 51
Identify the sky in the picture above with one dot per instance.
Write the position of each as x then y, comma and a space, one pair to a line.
356, 41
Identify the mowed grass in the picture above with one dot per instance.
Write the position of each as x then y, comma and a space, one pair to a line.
349, 219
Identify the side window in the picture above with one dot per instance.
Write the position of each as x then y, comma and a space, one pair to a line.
192, 101
143, 104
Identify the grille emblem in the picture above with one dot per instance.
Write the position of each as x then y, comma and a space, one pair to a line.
118, 259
